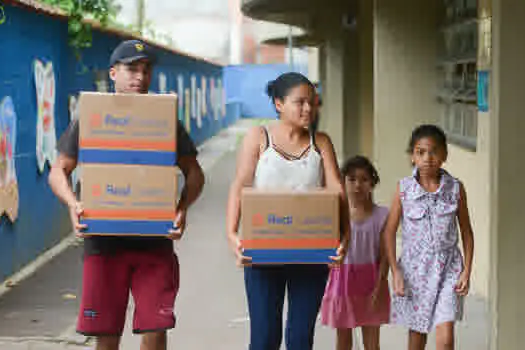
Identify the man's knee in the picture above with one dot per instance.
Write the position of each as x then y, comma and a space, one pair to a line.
108, 343
154, 341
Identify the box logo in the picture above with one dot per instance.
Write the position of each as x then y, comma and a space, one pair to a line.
121, 191
96, 191
116, 121
95, 121
257, 220
280, 220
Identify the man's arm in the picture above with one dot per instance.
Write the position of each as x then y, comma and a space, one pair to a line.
64, 165
193, 176
58, 179
61, 170
193, 184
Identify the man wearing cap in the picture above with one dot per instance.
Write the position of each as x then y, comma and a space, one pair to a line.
114, 266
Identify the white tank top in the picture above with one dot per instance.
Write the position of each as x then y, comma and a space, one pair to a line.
274, 171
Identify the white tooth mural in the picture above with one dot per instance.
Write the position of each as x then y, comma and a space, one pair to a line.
8, 180
193, 96
163, 83
45, 126
204, 97
73, 115
187, 102
199, 103
222, 98
180, 92
213, 97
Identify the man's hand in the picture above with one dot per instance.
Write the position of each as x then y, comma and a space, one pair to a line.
75, 212
179, 225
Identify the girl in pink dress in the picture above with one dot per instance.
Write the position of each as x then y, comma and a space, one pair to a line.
357, 293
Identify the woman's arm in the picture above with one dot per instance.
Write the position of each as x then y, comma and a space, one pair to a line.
247, 158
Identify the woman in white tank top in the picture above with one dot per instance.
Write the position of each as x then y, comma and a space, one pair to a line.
285, 155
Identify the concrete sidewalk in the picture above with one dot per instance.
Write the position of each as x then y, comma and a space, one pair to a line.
211, 308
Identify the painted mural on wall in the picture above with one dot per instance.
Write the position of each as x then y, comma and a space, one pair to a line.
187, 101
222, 98
8, 180
193, 92
199, 111
163, 83
213, 98
102, 80
180, 92
73, 115
204, 102
45, 127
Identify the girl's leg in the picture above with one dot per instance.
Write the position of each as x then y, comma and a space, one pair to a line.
344, 339
445, 336
370, 337
416, 340
306, 285
265, 289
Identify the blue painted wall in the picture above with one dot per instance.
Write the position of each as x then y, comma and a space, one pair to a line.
25, 37
247, 84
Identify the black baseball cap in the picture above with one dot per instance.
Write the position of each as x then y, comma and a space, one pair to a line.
130, 51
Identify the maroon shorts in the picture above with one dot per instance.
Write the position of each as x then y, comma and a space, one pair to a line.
152, 276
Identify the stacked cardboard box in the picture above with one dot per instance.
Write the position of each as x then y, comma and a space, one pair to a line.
290, 227
128, 163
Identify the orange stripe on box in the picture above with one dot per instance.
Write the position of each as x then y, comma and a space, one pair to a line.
126, 144
129, 214
290, 243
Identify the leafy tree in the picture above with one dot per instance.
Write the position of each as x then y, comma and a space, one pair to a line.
80, 32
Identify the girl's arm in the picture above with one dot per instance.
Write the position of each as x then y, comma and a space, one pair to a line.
383, 258
335, 182
383, 270
465, 227
390, 231
246, 163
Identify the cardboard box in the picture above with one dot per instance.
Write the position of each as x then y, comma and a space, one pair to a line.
136, 129
292, 227
128, 199
128, 156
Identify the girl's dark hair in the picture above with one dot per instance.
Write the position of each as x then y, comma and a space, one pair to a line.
280, 87
428, 130
360, 162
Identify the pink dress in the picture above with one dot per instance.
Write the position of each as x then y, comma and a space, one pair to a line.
347, 299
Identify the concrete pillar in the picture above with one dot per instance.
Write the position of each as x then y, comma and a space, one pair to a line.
313, 64
365, 32
351, 88
333, 92
507, 170
323, 81
405, 80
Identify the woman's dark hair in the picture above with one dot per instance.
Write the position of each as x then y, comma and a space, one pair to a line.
360, 162
280, 87
428, 130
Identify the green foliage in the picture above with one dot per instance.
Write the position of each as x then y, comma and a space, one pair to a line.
80, 36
